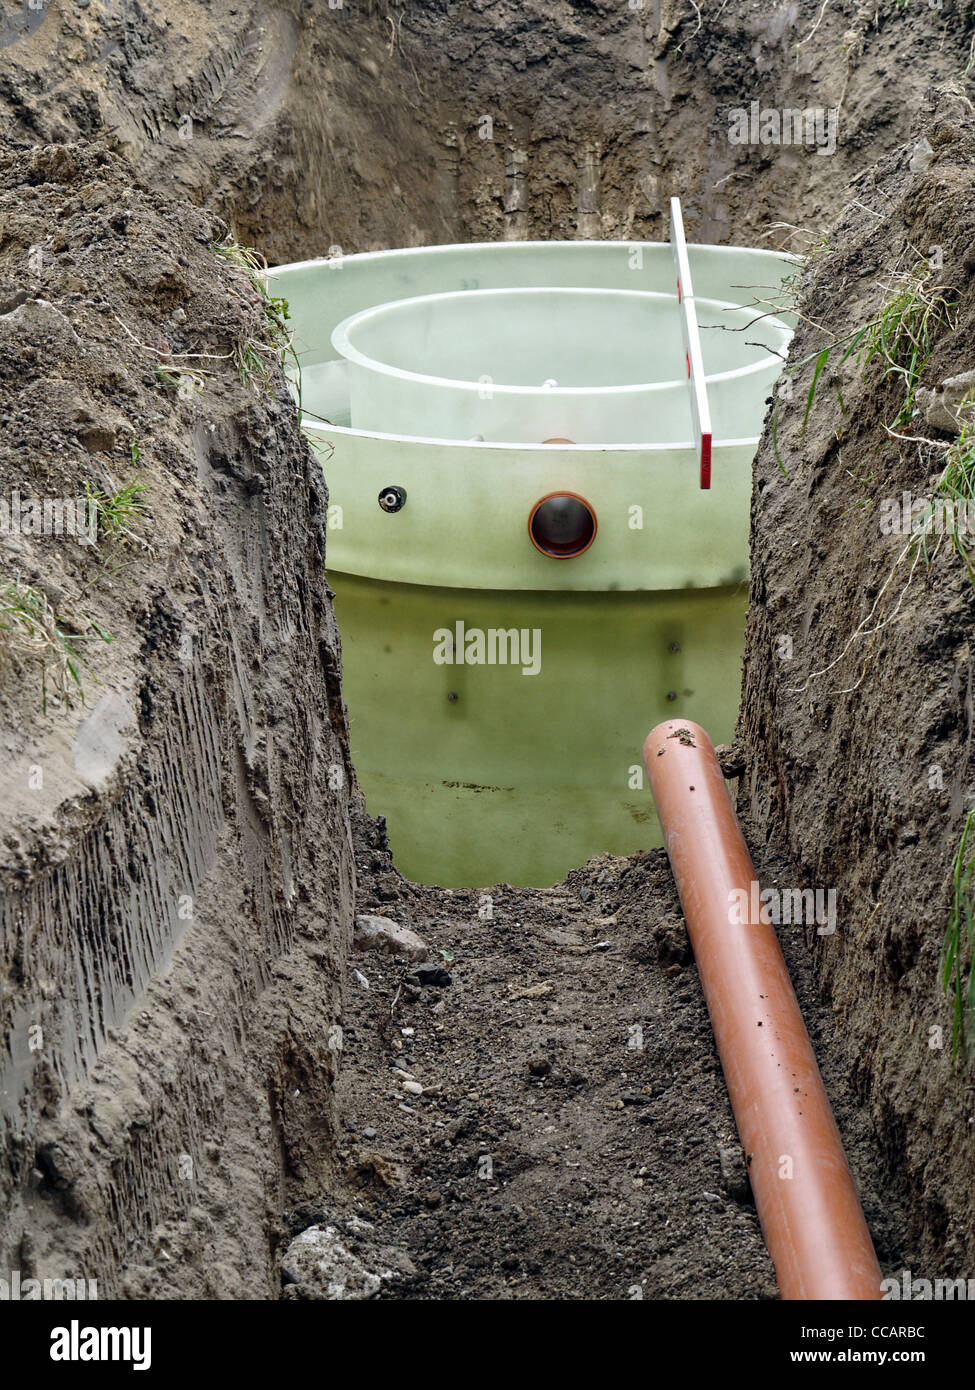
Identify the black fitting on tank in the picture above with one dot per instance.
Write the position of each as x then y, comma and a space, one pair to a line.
392, 498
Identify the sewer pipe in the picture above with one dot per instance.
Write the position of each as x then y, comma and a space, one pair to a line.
804, 1192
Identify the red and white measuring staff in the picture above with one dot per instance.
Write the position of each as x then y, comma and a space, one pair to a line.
700, 413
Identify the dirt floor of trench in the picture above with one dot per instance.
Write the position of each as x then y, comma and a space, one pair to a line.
573, 1138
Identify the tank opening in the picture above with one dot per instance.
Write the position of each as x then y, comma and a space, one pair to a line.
562, 525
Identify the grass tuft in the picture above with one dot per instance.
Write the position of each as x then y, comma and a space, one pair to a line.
957, 486
902, 338
32, 635
252, 357
957, 974
117, 511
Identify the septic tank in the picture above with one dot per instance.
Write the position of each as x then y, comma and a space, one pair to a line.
528, 571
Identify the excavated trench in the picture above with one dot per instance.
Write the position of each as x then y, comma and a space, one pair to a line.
210, 1089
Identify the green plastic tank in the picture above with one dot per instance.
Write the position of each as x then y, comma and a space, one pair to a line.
528, 575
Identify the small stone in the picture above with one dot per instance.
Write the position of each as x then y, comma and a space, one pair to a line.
948, 407
540, 1066
734, 1174
921, 156
730, 760
374, 933
319, 1260
432, 1199
368, 1132
413, 1087
356, 1226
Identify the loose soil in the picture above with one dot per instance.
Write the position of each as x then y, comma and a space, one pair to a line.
568, 1142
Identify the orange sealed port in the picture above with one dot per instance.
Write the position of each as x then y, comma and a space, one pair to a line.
562, 524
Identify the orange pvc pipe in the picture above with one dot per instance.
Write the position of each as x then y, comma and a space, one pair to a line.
804, 1192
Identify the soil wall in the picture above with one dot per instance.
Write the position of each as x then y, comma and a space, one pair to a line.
856, 720
176, 875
